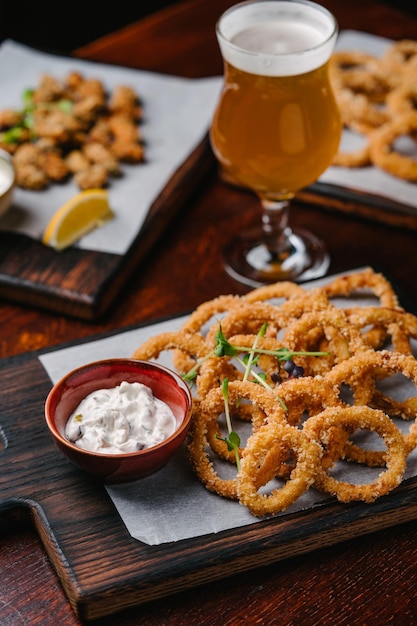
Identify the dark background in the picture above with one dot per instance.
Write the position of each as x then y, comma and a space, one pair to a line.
61, 26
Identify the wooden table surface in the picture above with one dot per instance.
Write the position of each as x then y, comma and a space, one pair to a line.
369, 580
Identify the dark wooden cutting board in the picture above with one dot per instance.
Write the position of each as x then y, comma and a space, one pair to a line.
366, 206
83, 283
351, 202
100, 566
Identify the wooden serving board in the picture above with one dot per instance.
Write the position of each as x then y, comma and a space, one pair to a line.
366, 206
83, 283
351, 202
101, 567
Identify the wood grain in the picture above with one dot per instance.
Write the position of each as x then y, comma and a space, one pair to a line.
372, 208
92, 552
368, 580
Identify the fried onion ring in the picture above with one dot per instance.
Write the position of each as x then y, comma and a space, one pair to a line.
269, 446
400, 325
366, 282
383, 153
249, 317
359, 72
196, 321
192, 344
403, 99
358, 112
362, 372
331, 332
295, 421
213, 372
364, 418
200, 460
307, 396
284, 289
203, 426
356, 158
397, 58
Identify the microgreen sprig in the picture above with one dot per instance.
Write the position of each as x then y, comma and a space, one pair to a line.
19, 131
232, 440
251, 356
225, 348
250, 359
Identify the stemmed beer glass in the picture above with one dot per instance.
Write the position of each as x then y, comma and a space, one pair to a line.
276, 128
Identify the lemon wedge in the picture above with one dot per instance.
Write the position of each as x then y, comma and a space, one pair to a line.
77, 217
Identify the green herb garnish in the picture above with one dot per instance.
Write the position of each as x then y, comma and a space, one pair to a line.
232, 440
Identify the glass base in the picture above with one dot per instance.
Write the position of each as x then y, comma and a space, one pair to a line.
249, 261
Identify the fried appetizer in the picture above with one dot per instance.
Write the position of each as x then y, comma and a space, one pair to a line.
73, 128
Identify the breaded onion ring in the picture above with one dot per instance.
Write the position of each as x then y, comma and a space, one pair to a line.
242, 412
357, 158
200, 460
213, 372
397, 58
358, 112
359, 72
382, 150
249, 317
270, 446
314, 300
299, 427
365, 418
203, 427
193, 345
365, 282
362, 372
331, 331
292, 309
398, 324
207, 310
284, 289
377, 98
307, 396
196, 321
403, 99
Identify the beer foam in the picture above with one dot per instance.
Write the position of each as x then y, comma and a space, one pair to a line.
277, 38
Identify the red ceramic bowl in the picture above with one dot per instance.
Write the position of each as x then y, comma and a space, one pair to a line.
66, 395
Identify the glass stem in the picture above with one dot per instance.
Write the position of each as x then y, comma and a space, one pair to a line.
275, 227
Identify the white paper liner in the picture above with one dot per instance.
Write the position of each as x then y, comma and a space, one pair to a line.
172, 504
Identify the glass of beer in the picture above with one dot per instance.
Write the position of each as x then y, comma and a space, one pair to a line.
276, 128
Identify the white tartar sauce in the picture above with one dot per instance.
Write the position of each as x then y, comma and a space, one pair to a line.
5, 176
126, 418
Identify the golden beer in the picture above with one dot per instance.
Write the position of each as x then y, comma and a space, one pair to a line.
276, 129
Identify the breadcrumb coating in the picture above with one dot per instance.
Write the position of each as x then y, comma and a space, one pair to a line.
73, 127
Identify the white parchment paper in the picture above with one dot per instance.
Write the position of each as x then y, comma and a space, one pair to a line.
177, 115
172, 505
